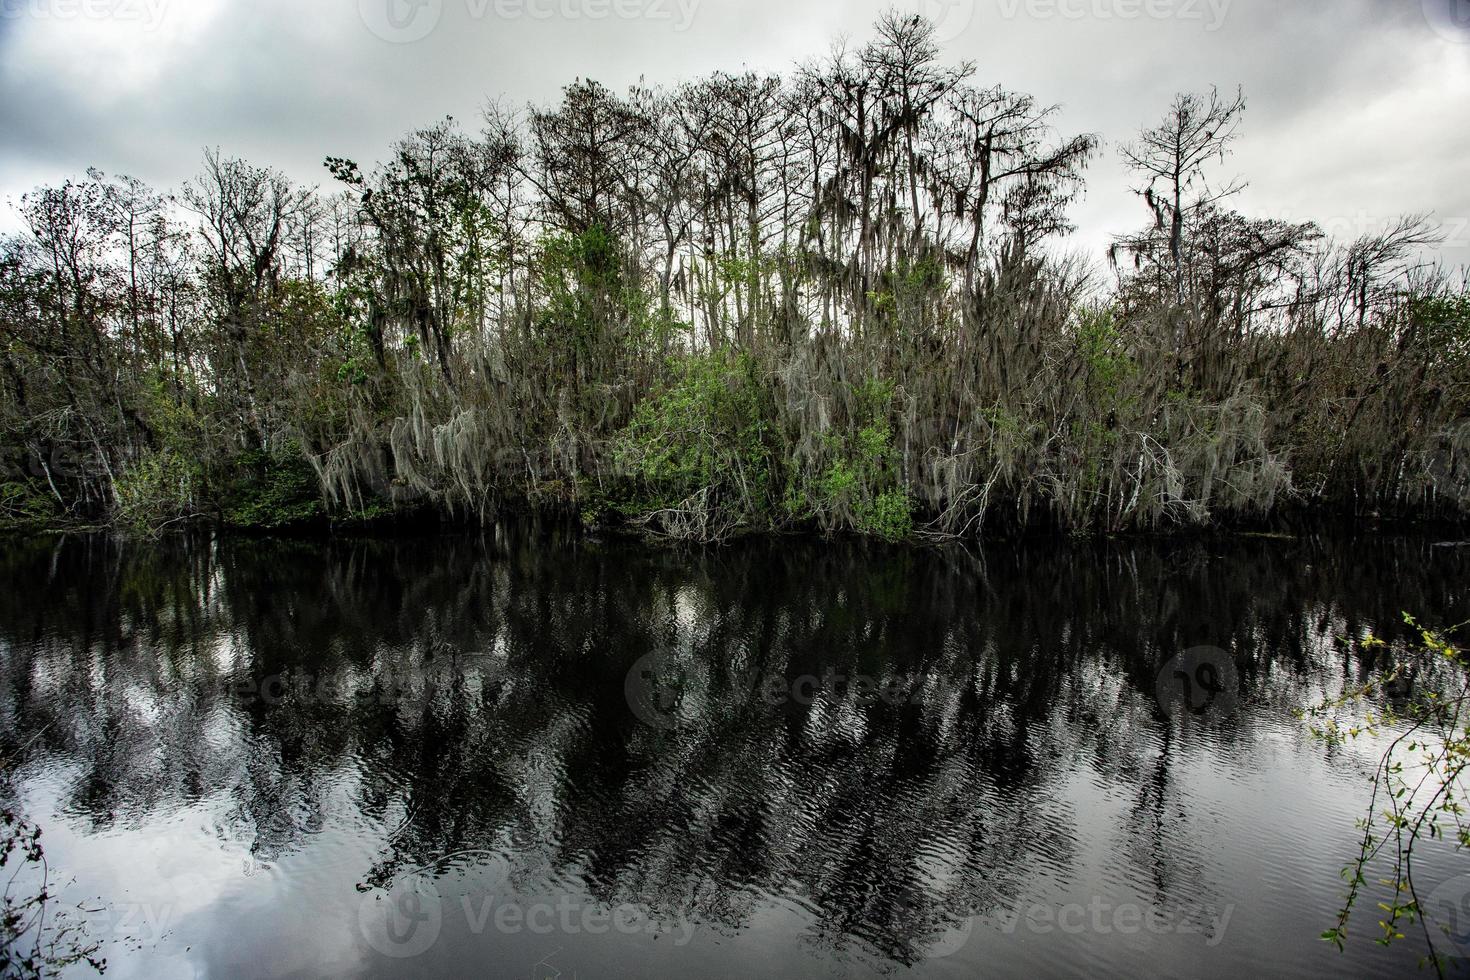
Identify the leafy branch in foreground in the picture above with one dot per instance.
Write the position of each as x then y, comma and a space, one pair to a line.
1419, 697
33, 943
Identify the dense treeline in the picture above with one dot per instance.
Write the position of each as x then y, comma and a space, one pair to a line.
830, 300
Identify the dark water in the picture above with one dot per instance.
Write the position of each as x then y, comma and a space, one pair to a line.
525, 755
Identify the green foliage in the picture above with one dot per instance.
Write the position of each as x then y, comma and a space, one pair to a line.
909, 284
708, 431
1416, 702
36, 940
176, 426
1100, 345
888, 515
637, 306
591, 302
1444, 322
27, 505
587, 301
365, 515
272, 490
709, 438
157, 489
352, 371
860, 488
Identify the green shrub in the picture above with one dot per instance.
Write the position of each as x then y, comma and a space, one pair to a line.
25, 506
889, 515
158, 489
861, 487
274, 489
708, 432
1444, 325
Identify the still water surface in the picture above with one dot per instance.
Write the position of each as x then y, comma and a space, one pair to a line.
525, 754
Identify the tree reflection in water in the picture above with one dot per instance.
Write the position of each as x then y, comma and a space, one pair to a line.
465, 695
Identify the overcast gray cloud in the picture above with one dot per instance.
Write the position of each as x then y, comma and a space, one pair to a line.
1357, 107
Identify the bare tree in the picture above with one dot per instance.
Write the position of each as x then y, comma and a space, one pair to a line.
1171, 157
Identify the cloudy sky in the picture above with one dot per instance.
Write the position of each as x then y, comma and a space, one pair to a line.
1357, 108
